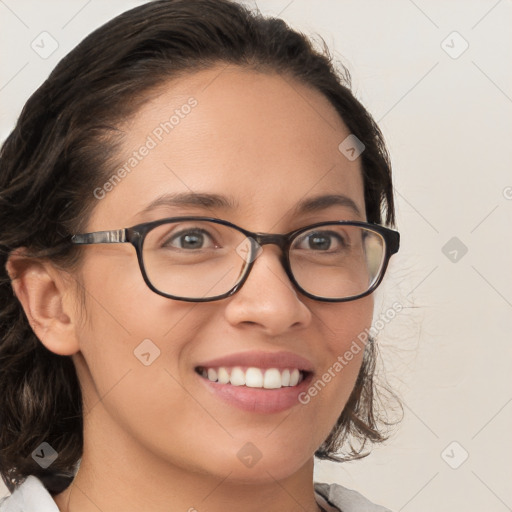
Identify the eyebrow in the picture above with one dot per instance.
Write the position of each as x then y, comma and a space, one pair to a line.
204, 200
191, 199
315, 204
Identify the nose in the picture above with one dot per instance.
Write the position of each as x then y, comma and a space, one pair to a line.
268, 300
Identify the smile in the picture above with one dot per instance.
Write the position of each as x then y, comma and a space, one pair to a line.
259, 382
253, 377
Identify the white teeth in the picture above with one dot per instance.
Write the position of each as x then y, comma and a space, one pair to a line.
223, 376
253, 377
212, 374
285, 378
273, 379
237, 377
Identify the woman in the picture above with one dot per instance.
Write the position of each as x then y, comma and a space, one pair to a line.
191, 211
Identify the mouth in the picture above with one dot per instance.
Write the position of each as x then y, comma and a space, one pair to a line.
257, 382
254, 377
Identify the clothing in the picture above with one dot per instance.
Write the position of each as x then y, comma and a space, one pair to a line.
336, 498
32, 496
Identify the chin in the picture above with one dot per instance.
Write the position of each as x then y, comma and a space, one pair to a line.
250, 465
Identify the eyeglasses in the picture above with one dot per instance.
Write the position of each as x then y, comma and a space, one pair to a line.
201, 259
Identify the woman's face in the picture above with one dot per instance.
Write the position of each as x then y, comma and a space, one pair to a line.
267, 145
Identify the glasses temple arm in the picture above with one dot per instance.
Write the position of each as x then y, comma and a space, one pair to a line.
100, 237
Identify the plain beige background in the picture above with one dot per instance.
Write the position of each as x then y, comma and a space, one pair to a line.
437, 78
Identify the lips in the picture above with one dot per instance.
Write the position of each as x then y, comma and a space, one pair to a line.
265, 360
264, 382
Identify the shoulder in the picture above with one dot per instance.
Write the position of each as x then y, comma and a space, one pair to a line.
345, 500
31, 495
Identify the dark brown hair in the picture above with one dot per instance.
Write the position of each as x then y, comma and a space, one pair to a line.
64, 144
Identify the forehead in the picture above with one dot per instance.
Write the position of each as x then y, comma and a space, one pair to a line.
263, 140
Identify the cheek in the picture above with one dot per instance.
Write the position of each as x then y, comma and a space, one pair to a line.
132, 341
121, 305
131, 333
344, 323
344, 329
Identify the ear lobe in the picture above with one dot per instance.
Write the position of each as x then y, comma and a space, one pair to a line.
41, 289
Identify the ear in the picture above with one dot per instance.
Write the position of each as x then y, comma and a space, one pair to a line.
46, 297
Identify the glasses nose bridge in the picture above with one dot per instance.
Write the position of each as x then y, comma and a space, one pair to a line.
262, 239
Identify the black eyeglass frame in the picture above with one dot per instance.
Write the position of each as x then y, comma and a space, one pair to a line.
135, 235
